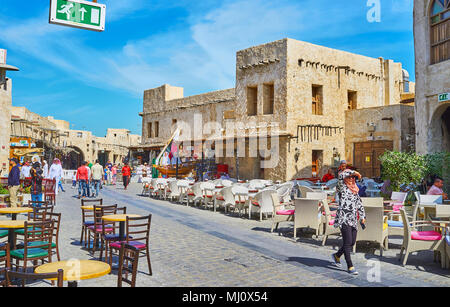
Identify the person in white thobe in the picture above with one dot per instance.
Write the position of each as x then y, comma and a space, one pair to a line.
56, 173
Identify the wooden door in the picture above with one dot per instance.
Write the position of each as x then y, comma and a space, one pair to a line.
366, 157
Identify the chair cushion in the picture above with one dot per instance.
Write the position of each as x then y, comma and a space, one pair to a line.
89, 223
331, 223
240, 202
112, 237
22, 231
3, 233
398, 224
100, 228
136, 244
426, 235
2, 254
286, 212
333, 214
37, 243
255, 203
220, 198
191, 194
32, 253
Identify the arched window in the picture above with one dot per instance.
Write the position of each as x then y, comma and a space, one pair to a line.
440, 31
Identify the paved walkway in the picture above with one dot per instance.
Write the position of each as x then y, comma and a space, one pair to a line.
199, 248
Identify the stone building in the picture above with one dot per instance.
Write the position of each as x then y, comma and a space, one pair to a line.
5, 113
71, 146
432, 51
5, 128
293, 93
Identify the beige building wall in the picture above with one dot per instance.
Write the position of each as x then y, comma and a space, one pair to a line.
57, 134
433, 133
283, 72
393, 123
5, 125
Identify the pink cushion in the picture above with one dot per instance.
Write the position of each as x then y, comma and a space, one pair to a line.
99, 229
286, 212
331, 223
426, 235
220, 198
138, 245
333, 214
397, 207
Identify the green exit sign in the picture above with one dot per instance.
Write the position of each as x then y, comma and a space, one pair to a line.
78, 14
444, 97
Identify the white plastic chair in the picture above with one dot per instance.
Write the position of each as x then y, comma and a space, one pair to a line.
195, 195
183, 185
173, 190
208, 189
241, 196
281, 213
261, 203
225, 199
284, 192
307, 215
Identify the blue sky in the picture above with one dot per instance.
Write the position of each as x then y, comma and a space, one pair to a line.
96, 80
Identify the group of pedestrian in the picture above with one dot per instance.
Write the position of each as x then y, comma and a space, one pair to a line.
92, 177
89, 178
33, 174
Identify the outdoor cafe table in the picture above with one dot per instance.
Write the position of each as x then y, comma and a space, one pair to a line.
11, 226
15, 211
76, 270
121, 218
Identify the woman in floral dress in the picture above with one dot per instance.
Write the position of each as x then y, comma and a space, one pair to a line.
349, 213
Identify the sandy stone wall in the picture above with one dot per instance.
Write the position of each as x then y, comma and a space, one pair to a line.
5, 125
291, 68
28, 124
392, 123
431, 80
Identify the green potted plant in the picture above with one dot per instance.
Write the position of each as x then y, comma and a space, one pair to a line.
404, 170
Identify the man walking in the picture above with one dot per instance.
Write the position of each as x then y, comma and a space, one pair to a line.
83, 179
14, 182
97, 174
126, 173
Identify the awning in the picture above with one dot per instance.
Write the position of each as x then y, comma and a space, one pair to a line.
28, 152
8, 67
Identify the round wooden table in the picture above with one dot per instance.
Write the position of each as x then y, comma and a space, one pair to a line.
76, 270
121, 218
15, 211
12, 226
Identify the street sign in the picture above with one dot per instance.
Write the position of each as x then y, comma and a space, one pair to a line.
78, 14
444, 97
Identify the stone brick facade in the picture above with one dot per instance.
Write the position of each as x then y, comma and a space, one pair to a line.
295, 91
5, 127
56, 134
432, 116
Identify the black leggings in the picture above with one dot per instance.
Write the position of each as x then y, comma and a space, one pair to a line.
349, 237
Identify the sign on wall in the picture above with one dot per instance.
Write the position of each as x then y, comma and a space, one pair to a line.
78, 14
444, 97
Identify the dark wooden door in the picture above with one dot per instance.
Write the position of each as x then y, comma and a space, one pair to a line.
366, 156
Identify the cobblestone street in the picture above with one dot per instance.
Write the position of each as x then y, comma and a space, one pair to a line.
191, 247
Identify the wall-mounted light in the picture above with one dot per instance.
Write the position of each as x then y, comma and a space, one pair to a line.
297, 154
